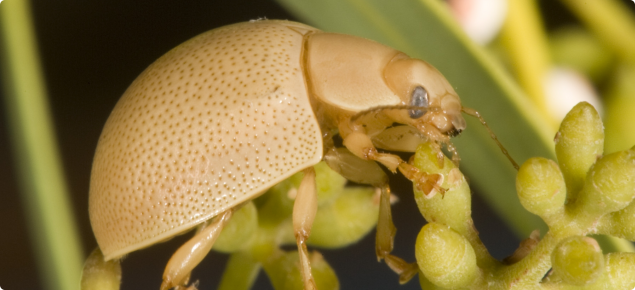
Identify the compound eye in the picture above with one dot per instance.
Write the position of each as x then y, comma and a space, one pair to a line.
419, 98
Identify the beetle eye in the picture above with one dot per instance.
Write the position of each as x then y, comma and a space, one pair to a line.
419, 98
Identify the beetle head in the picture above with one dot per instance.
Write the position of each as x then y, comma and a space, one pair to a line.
419, 84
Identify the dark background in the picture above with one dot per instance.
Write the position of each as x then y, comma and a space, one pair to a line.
91, 51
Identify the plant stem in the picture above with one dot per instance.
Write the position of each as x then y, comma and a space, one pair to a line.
240, 273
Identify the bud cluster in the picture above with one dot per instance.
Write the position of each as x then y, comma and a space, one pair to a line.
582, 193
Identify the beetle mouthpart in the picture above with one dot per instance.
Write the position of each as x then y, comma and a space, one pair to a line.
459, 123
454, 132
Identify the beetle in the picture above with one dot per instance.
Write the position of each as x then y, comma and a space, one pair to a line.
221, 118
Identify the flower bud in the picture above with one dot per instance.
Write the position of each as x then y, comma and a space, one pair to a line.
453, 208
329, 183
446, 258
284, 273
620, 224
579, 142
345, 220
620, 268
578, 260
239, 231
540, 186
99, 274
610, 184
426, 284
277, 204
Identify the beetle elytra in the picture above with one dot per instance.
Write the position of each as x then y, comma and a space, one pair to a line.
221, 118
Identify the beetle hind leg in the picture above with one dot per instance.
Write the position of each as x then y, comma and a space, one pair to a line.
304, 210
177, 272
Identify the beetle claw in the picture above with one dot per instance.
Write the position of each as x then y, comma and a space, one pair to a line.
429, 184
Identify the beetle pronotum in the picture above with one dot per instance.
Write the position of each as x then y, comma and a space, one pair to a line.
226, 115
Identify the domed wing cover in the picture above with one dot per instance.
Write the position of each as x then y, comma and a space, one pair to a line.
211, 124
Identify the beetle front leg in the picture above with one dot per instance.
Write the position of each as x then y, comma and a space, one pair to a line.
384, 241
362, 146
304, 210
177, 272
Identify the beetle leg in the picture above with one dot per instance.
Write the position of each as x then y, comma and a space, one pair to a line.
402, 138
355, 169
304, 210
362, 146
429, 184
384, 241
455, 154
188, 256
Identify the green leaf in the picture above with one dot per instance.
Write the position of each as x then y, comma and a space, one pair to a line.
43, 189
424, 29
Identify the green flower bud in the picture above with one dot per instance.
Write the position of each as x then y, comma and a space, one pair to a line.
579, 142
329, 183
284, 273
540, 186
610, 184
426, 284
620, 224
239, 231
452, 208
446, 258
277, 204
345, 220
578, 260
620, 268
99, 274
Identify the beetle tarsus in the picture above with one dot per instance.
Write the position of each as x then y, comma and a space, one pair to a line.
429, 184
384, 241
405, 270
305, 264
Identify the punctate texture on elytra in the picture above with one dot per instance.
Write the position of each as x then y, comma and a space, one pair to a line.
219, 118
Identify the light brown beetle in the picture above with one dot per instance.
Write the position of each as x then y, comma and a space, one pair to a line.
221, 118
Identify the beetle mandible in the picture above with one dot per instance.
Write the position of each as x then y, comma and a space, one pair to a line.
221, 118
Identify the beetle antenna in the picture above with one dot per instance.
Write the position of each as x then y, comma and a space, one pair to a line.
476, 114
383, 108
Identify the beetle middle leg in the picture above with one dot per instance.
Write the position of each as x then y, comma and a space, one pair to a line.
177, 272
384, 241
304, 210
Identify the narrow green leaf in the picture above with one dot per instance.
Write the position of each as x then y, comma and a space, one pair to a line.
424, 29
611, 21
44, 193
